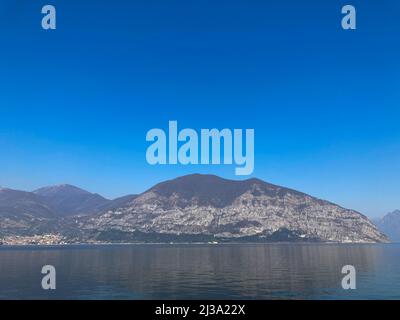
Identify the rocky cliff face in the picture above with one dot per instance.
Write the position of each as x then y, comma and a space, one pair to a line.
208, 207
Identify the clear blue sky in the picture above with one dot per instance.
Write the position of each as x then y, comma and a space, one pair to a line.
76, 103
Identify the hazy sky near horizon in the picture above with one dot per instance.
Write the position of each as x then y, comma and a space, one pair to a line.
76, 103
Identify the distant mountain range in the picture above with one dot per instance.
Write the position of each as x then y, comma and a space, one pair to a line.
191, 208
390, 225
22, 212
67, 200
27, 213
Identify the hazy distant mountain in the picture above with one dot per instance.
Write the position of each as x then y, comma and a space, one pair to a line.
69, 200
206, 207
390, 225
22, 212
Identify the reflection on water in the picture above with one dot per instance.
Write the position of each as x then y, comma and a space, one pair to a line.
228, 271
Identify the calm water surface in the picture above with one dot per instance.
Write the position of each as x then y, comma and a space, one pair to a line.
224, 271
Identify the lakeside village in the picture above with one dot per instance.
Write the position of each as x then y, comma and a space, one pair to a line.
43, 239
49, 240
46, 239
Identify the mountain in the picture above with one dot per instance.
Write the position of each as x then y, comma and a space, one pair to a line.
22, 212
190, 208
208, 208
117, 203
50, 209
390, 225
68, 200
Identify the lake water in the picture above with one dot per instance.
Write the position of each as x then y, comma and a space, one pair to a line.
189, 271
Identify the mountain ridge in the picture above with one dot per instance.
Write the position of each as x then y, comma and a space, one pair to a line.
205, 207
68, 200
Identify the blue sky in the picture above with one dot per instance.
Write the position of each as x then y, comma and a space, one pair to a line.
76, 103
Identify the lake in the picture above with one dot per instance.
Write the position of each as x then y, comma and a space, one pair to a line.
200, 271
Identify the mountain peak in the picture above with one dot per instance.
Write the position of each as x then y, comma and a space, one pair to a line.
68, 200
60, 188
390, 215
213, 190
390, 225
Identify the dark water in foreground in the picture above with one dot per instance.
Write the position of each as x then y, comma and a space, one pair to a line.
224, 271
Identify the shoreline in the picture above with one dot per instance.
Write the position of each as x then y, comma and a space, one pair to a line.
88, 245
